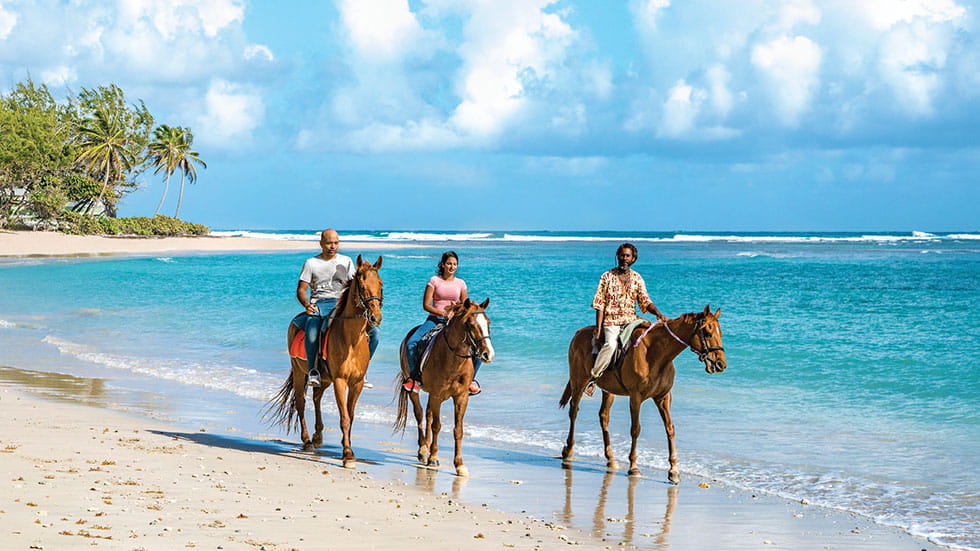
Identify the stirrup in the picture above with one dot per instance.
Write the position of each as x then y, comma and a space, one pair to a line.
475, 388
313, 379
590, 388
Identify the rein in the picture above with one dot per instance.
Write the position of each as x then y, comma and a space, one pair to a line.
698, 331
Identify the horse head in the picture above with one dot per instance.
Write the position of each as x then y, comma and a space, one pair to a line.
707, 335
475, 322
369, 290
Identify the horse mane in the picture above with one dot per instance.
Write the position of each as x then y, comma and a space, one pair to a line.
345, 296
455, 310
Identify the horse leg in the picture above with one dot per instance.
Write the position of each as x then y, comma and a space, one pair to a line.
566, 452
318, 426
460, 402
435, 424
353, 393
635, 402
604, 409
420, 421
340, 394
663, 404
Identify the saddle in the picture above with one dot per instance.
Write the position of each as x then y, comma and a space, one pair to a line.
425, 344
297, 348
624, 346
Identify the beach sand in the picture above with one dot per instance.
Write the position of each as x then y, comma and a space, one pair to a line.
81, 465
26, 243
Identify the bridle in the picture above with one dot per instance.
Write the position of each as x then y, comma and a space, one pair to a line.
699, 331
362, 301
474, 343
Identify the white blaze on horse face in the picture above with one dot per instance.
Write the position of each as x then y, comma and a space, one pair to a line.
484, 324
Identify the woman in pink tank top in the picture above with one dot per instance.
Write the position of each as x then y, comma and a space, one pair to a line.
443, 290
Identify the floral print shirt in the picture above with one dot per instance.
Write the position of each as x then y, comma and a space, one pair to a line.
618, 301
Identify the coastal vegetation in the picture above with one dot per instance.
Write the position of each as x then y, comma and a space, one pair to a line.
66, 165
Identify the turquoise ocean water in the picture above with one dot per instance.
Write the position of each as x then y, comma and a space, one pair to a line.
851, 380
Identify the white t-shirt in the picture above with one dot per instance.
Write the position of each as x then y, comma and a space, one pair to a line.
327, 278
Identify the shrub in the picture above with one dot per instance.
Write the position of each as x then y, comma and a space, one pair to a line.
79, 224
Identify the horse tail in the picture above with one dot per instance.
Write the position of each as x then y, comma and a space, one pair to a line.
566, 396
401, 418
281, 410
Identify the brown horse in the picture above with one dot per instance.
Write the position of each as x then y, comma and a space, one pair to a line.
345, 365
447, 374
647, 372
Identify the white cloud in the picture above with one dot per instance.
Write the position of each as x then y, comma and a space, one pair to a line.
645, 13
912, 61
175, 17
8, 21
796, 12
59, 76
680, 110
380, 30
232, 112
258, 51
721, 97
883, 14
791, 66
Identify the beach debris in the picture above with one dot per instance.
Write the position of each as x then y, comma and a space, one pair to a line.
804, 502
704, 485
479, 536
516, 482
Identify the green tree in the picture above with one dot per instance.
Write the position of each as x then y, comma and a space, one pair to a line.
167, 146
185, 163
112, 140
106, 150
35, 133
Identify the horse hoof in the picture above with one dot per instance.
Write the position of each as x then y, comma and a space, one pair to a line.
614, 466
317, 442
674, 478
307, 446
634, 472
350, 463
433, 462
462, 471
423, 459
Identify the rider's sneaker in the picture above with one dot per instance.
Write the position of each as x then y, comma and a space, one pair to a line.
411, 385
475, 388
590, 388
314, 379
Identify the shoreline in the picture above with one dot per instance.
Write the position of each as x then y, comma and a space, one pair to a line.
14, 244
172, 481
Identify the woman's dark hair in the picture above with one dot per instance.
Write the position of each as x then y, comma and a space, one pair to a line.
631, 247
446, 256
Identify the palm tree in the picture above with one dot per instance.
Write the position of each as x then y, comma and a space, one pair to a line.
104, 146
185, 162
165, 149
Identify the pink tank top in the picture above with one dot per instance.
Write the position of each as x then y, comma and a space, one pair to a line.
445, 292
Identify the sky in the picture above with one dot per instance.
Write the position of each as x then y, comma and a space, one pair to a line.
656, 115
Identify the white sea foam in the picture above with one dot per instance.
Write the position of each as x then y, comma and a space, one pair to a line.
168, 259
424, 236
964, 236
245, 382
312, 236
5, 323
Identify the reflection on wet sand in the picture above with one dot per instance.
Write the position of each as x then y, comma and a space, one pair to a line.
600, 520
80, 390
425, 478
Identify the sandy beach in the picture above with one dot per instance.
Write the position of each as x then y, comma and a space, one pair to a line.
26, 243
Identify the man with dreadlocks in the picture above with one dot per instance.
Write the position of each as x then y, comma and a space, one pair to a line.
620, 290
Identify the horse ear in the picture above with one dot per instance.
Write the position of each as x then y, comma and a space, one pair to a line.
484, 304
718, 313
467, 303
707, 310
377, 264
359, 261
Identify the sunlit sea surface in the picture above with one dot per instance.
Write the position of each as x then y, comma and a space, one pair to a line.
852, 380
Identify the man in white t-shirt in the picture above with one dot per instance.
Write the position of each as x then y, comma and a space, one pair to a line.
324, 277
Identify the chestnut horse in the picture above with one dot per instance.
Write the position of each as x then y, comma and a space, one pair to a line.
647, 372
345, 366
447, 374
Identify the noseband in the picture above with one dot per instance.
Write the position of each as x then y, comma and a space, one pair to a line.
472, 342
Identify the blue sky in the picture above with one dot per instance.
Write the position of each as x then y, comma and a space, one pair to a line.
537, 114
